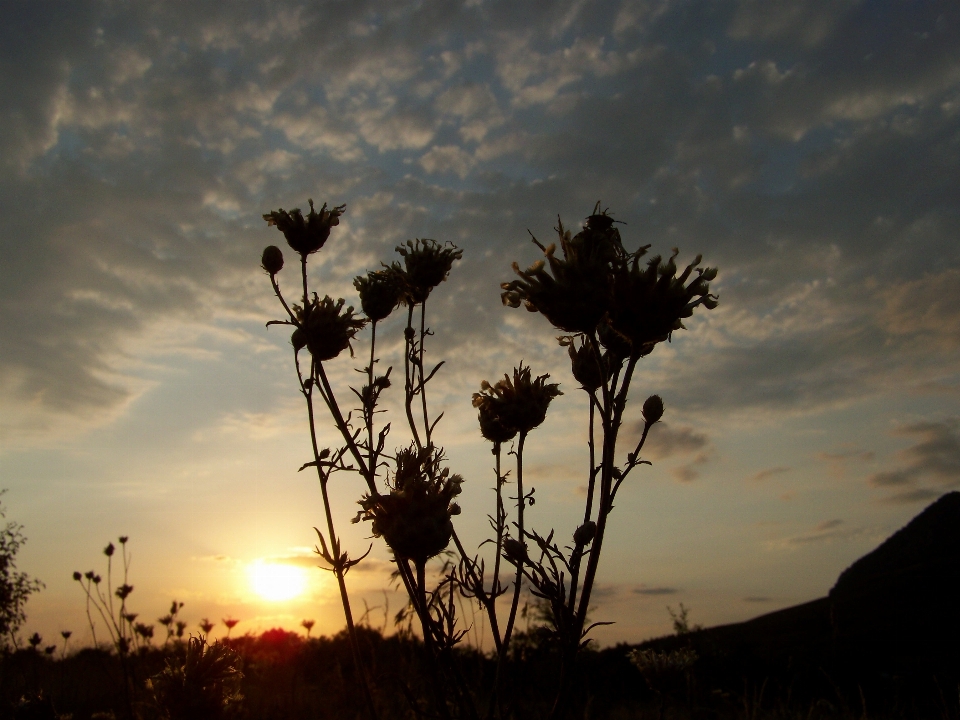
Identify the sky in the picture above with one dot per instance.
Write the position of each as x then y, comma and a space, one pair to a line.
809, 149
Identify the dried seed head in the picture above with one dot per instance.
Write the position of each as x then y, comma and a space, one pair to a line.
426, 264
414, 518
588, 369
305, 235
513, 405
327, 328
380, 292
649, 304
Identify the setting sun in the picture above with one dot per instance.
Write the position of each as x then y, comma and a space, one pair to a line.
274, 581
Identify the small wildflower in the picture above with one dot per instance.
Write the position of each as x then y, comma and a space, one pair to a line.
77, 576
143, 630
380, 292
35, 640
206, 626
514, 405
109, 550
123, 592
326, 328
652, 409
414, 518
272, 259
308, 235
307, 625
427, 264
66, 634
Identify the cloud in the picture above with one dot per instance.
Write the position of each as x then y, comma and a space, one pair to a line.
643, 590
664, 441
768, 473
933, 459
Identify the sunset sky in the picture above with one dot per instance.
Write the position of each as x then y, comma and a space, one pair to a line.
810, 149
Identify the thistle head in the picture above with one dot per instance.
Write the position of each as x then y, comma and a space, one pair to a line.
571, 291
512, 405
325, 327
414, 517
307, 234
650, 303
426, 264
380, 292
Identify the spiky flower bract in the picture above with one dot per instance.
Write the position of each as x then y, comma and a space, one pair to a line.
598, 286
650, 303
380, 292
325, 328
426, 264
305, 235
575, 294
513, 405
414, 517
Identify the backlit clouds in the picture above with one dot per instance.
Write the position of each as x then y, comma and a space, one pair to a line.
927, 468
809, 149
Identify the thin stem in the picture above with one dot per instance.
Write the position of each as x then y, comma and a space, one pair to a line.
409, 377
338, 569
422, 384
588, 511
334, 408
521, 502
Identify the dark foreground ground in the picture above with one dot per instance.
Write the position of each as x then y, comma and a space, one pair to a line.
286, 676
885, 643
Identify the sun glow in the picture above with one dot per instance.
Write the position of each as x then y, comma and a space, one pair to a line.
276, 582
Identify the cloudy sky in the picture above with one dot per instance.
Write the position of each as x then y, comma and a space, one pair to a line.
810, 149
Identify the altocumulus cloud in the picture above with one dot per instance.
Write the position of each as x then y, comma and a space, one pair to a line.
808, 149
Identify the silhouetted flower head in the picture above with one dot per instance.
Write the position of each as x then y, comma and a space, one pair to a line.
109, 550
272, 259
305, 235
650, 303
380, 292
513, 405
653, 409
414, 518
575, 294
514, 551
585, 533
326, 329
426, 264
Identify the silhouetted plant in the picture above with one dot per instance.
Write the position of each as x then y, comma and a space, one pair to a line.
204, 686
230, 623
15, 587
614, 311
307, 625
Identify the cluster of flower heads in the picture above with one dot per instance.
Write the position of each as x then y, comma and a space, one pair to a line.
414, 517
513, 405
323, 326
597, 286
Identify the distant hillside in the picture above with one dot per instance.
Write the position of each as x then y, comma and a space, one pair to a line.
893, 610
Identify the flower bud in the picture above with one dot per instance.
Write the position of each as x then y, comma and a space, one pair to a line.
272, 259
585, 533
77, 576
652, 409
108, 550
515, 551
298, 339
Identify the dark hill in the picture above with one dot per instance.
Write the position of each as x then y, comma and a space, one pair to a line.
892, 613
